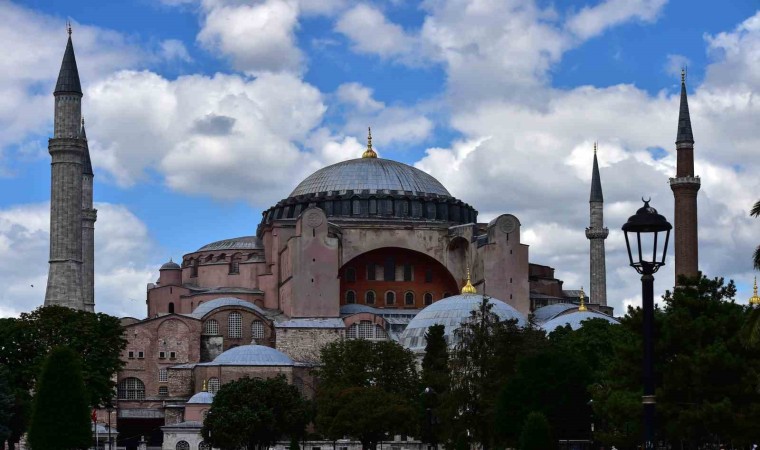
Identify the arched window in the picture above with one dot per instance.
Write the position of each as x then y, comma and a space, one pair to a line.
350, 275
235, 325
131, 389
203, 445
350, 297
235, 264
380, 332
369, 297
182, 445
171, 307
213, 385
390, 298
257, 329
409, 299
428, 298
211, 328
366, 330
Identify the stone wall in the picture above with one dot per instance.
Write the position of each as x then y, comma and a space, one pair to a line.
304, 344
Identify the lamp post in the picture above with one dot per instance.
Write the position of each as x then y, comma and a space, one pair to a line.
109, 408
429, 400
646, 227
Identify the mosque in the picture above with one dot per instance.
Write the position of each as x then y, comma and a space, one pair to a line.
367, 248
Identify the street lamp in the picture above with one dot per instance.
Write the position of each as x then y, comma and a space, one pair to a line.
646, 227
429, 400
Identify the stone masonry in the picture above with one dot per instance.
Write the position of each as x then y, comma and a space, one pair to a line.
596, 233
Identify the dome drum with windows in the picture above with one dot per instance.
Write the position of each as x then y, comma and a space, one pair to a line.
372, 188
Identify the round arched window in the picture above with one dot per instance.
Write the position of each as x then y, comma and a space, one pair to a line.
182, 445
428, 298
369, 297
131, 389
350, 297
390, 298
409, 299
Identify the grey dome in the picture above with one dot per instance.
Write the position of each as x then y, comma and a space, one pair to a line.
239, 243
170, 265
372, 174
575, 320
251, 355
548, 312
452, 312
207, 307
202, 398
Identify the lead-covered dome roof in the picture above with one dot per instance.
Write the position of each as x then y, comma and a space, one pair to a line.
251, 355
372, 175
239, 243
452, 312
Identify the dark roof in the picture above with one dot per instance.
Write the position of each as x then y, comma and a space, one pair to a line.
684, 120
239, 243
68, 77
87, 163
596, 184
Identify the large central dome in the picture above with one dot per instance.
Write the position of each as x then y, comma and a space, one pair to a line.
372, 175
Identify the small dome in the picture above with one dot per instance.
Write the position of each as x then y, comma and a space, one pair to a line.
207, 307
202, 398
170, 265
575, 320
251, 355
452, 312
239, 243
372, 174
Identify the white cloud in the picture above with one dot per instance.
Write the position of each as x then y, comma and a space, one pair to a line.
370, 32
123, 259
594, 20
257, 37
174, 50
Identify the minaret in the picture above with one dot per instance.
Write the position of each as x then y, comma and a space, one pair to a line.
596, 233
64, 285
89, 216
685, 187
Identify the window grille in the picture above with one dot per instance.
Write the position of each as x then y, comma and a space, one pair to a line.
131, 389
257, 329
213, 385
428, 298
235, 267
211, 328
353, 332
163, 391
235, 325
183, 445
390, 298
380, 332
350, 297
366, 330
163, 375
203, 445
369, 297
409, 299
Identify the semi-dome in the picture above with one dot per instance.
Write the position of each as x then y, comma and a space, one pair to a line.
575, 320
452, 312
202, 398
251, 355
370, 174
207, 307
238, 243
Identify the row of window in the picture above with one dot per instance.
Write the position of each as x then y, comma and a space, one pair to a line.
134, 389
183, 445
234, 327
161, 355
366, 330
389, 271
390, 298
234, 264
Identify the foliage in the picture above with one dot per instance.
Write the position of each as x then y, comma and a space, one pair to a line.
755, 212
536, 433
61, 414
435, 381
7, 402
255, 413
355, 374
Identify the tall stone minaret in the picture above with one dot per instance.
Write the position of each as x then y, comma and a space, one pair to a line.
64, 285
89, 216
596, 234
685, 187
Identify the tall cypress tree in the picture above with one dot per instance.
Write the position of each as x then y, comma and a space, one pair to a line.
435, 380
60, 415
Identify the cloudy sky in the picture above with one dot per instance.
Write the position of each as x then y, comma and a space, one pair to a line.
201, 113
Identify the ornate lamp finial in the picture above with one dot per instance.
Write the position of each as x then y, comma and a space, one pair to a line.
369, 153
205, 386
468, 288
754, 300
582, 306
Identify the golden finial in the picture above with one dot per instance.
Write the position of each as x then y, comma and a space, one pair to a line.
468, 288
582, 306
369, 153
205, 386
754, 300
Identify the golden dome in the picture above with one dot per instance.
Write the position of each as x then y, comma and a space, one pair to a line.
369, 153
754, 300
582, 306
468, 288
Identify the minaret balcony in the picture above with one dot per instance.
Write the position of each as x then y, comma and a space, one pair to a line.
685, 180
597, 233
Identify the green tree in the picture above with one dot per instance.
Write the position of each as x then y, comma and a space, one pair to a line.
435, 381
61, 414
7, 402
536, 433
255, 413
354, 375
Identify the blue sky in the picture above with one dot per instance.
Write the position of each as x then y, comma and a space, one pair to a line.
499, 100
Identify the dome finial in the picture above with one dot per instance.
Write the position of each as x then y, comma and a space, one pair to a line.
468, 288
369, 153
582, 306
205, 386
754, 300
68, 27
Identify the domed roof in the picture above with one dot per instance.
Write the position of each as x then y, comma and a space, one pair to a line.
202, 398
575, 320
207, 307
372, 174
251, 355
170, 265
452, 312
239, 243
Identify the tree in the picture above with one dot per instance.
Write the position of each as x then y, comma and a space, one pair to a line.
254, 414
536, 433
435, 381
355, 374
7, 402
755, 212
61, 414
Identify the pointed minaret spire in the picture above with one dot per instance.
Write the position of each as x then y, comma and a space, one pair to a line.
684, 120
596, 181
596, 233
68, 77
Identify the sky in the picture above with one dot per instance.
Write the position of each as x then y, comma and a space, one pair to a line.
202, 113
